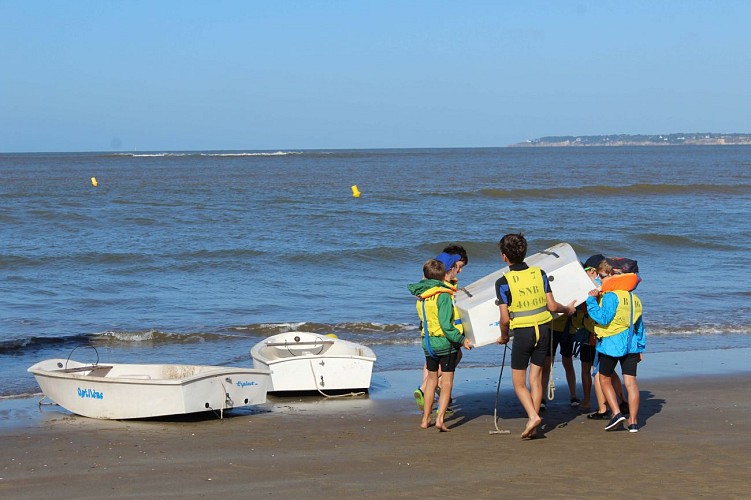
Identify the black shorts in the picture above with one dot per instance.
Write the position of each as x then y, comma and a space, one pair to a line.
628, 364
587, 353
527, 347
566, 341
447, 363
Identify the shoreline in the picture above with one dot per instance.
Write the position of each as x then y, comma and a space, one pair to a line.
672, 139
398, 384
567, 144
23, 411
695, 440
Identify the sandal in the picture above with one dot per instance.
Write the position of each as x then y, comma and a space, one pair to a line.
419, 398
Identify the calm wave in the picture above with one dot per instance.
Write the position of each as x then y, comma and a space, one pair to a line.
640, 190
195, 256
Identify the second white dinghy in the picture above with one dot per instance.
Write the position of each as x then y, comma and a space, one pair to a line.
304, 361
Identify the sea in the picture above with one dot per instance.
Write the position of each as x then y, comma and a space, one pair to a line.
193, 257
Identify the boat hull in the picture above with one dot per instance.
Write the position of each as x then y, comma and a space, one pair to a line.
126, 391
476, 302
314, 363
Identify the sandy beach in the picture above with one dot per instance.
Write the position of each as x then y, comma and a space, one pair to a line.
695, 440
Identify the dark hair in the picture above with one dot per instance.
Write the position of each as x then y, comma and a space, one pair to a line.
457, 250
434, 270
514, 246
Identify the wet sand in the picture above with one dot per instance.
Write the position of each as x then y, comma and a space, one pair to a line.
695, 440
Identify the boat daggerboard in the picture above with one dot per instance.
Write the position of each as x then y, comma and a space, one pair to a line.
476, 302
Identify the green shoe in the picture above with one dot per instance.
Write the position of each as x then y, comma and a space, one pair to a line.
419, 398
449, 410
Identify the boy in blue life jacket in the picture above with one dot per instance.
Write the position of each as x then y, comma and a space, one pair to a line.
441, 340
526, 302
597, 268
620, 339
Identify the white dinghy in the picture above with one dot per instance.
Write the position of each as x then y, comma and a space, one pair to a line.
304, 361
476, 301
123, 391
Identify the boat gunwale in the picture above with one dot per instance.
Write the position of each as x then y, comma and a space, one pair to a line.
304, 357
220, 371
259, 350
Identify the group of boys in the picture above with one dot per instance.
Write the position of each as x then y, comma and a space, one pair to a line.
526, 303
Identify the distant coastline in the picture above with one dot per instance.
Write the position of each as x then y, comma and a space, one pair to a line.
681, 139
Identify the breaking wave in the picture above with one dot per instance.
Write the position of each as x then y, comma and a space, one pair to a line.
213, 155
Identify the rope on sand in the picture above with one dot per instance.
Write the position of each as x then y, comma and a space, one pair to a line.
348, 395
497, 392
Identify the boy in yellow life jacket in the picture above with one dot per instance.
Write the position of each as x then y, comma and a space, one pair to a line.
620, 339
596, 268
441, 339
526, 302
454, 258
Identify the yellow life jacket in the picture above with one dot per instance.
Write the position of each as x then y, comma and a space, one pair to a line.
429, 300
622, 319
529, 302
457, 317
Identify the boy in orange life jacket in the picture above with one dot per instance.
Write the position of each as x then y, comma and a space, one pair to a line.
441, 339
597, 268
525, 301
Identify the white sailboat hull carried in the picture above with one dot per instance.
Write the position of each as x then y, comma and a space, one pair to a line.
476, 302
303, 361
124, 391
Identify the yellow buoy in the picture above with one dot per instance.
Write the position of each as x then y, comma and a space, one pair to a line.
355, 191
94, 182
332, 335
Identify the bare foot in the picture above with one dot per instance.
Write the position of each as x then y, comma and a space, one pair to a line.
425, 425
531, 426
442, 427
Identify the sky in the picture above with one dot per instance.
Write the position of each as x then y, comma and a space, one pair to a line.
168, 75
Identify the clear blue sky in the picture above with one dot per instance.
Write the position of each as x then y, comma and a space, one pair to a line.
196, 75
